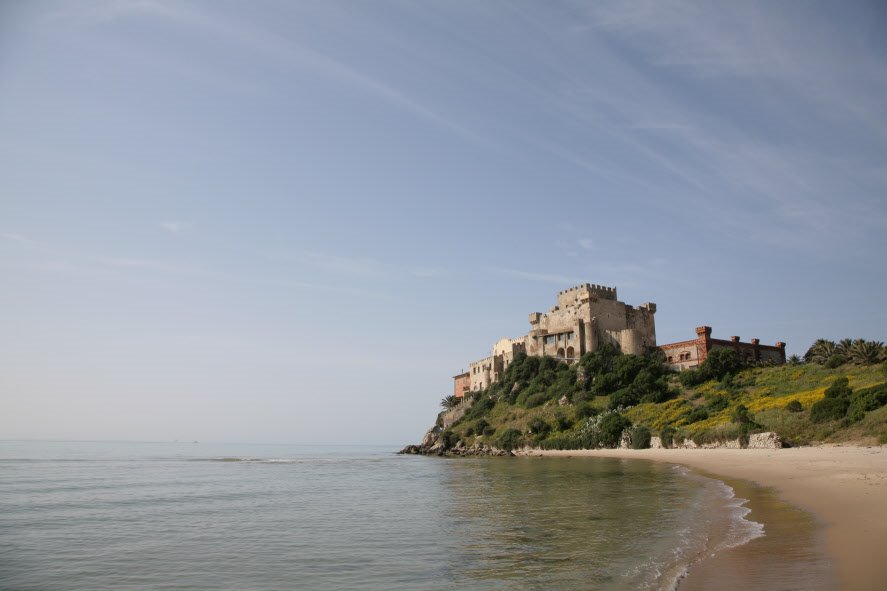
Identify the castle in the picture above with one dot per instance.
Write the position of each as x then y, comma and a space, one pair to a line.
589, 316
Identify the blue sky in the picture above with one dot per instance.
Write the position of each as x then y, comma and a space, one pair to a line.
294, 222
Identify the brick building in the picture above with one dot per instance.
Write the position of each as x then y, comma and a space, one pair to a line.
461, 384
688, 354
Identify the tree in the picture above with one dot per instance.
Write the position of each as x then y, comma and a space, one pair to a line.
640, 437
611, 429
820, 351
448, 402
863, 352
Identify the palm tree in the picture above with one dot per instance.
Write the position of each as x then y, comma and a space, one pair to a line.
820, 352
864, 352
448, 402
794, 360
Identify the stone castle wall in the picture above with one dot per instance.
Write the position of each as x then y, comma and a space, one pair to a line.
584, 318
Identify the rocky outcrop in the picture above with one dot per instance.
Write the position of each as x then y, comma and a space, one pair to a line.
625, 440
432, 445
431, 436
438, 450
769, 440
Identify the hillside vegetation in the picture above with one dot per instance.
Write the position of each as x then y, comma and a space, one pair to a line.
542, 402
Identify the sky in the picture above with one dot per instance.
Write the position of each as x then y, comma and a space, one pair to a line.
295, 222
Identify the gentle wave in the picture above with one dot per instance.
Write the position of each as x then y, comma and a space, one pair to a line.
715, 537
345, 520
308, 460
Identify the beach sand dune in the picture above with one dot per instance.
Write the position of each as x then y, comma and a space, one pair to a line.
845, 487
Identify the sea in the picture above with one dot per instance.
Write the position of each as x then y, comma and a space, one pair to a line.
121, 515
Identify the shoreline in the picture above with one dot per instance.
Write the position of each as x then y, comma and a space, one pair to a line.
844, 487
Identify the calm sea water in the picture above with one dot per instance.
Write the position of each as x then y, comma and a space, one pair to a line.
79, 515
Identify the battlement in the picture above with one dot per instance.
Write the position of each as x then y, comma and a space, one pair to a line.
589, 287
570, 296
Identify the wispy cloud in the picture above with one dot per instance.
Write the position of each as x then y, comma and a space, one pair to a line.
20, 239
279, 47
175, 226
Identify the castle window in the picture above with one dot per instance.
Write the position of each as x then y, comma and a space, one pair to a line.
569, 336
549, 339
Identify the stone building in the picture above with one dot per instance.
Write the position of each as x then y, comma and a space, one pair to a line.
688, 354
584, 318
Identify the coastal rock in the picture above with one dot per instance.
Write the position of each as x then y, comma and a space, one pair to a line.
769, 440
656, 443
430, 437
563, 401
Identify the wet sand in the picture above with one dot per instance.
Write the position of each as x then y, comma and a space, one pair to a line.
844, 487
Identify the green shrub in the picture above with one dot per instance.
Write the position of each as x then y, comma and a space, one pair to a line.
691, 377
697, 414
717, 403
562, 421
586, 409
510, 439
794, 406
840, 388
539, 428
481, 407
741, 415
834, 361
721, 362
829, 409
611, 428
866, 400
640, 437
623, 397
535, 400
448, 439
571, 441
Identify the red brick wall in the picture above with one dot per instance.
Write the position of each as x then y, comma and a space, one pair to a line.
461, 383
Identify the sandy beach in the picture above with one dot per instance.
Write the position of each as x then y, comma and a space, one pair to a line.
845, 487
